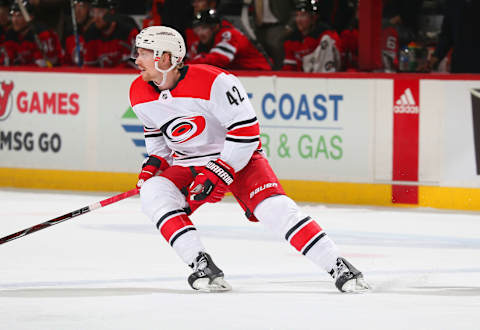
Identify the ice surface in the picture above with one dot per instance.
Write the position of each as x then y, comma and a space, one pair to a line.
110, 269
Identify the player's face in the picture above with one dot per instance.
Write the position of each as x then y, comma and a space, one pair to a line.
97, 15
81, 11
146, 64
204, 33
18, 22
199, 5
304, 21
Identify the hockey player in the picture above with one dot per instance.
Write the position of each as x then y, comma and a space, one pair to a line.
202, 138
313, 46
83, 20
4, 26
223, 45
109, 41
190, 36
29, 42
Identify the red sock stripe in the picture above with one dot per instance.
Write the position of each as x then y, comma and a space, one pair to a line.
304, 235
173, 225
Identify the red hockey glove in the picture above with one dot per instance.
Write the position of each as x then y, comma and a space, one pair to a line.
211, 184
152, 166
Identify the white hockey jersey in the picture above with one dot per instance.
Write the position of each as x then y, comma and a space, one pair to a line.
206, 116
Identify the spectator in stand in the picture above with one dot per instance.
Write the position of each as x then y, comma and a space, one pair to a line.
349, 42
337, 13
51, 14
273, 22
4, 26
460, 32
223, 45
403, 15
109, 41
313, 45
191, 39
83, 20
29, 42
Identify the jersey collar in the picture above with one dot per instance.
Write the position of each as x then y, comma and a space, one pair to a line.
183, 73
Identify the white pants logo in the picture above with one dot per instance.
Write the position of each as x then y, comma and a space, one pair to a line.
262, 188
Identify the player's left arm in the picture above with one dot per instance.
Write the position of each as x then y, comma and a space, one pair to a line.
231, 106
237, 115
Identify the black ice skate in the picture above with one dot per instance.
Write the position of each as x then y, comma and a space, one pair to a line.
207, 276
348, 278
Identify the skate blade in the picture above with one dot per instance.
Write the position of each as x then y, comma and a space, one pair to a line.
217, 285
356, 285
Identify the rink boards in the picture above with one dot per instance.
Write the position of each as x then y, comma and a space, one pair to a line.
379, 139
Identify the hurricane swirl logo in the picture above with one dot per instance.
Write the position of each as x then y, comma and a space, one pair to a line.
5, 99
184, 129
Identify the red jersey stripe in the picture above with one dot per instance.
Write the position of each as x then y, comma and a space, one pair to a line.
253, 130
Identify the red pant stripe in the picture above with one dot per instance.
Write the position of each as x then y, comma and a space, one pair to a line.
174, 224
304, 235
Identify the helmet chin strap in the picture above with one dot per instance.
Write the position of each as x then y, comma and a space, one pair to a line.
164, 73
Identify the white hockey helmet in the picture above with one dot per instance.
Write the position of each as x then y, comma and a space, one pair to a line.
162, 39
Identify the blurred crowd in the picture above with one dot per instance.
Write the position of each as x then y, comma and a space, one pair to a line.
293, 35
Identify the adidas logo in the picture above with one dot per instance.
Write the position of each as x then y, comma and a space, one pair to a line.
406, 103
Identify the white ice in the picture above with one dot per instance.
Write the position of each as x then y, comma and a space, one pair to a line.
110, 269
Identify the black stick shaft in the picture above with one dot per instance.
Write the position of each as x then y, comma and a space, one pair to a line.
68, 216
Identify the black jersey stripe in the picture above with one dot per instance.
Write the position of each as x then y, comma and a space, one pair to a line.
153, 135
168, 214
180, 234
225, 49
193, 157
242, 140
319, 237
243, 122
290, 232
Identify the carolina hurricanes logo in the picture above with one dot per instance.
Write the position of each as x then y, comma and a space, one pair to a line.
184, 129
5, 99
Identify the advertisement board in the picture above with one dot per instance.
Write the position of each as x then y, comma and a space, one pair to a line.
343, 138
319, 128
71, 122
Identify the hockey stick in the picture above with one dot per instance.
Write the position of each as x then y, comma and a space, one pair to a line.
28, 19
68, 216
250, 34
77, 57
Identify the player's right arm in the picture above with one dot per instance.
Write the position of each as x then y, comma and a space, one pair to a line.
223, 51
159, 154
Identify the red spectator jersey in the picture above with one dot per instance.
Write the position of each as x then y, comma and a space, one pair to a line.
349, 39
193, 48
192, 43
231, 50
110, 51
298, 46
21, 48
70, 44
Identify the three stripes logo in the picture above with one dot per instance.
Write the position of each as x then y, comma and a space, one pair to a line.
131, 126
406, 103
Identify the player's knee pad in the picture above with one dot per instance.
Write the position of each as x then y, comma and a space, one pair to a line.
279, 213
160, 196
